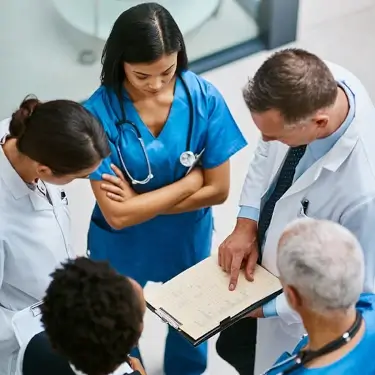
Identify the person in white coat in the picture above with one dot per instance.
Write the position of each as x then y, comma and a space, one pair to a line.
42, 145
316, 158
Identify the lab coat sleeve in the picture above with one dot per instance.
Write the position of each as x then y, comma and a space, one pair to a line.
285, 312
7, 335
360, 219
269, 309
247, 212
253, 187
224, 138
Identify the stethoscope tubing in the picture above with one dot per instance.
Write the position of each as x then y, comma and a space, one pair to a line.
124, 121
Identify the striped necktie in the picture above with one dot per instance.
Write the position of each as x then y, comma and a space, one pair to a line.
284, 182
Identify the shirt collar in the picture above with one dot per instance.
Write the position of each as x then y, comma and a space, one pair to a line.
320, 147
123, 369
10, 177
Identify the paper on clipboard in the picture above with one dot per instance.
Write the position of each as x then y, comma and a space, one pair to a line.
198, 303
27, 323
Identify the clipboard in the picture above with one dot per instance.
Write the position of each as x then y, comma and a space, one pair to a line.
191, 324
27, 323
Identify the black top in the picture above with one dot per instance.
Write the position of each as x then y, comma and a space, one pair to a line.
41, 359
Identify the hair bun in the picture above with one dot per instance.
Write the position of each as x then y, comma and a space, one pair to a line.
20, 117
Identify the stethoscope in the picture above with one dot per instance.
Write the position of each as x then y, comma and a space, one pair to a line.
305, 356
187, 158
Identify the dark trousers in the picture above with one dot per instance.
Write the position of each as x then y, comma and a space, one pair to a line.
237, 344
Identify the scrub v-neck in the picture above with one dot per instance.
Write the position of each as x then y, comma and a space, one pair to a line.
139, 121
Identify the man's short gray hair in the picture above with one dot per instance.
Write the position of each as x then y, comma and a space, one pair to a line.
324, 262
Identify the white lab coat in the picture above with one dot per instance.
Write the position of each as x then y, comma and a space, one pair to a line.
34, 240
332, 185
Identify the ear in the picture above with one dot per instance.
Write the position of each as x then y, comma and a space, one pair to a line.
321, 120
293, 297
43, 171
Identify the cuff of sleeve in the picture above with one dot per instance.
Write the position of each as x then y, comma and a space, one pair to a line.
247, 212
269, 309
285, 312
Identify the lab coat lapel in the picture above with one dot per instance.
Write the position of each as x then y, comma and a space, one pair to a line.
39, 203
330, 161
279, 159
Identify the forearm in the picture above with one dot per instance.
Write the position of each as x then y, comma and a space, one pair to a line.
207, 196
143, 207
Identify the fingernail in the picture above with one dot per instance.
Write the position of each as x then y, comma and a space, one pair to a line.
231, 287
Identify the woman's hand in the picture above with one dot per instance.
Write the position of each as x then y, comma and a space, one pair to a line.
116, 187
137, 365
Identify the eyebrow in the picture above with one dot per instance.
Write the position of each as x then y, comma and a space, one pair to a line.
144, 74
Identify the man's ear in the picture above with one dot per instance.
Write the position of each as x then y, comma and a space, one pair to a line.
321, 120
293, 297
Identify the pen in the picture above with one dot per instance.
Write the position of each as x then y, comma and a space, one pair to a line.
305, 205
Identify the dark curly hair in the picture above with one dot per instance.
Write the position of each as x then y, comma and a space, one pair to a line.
92, 315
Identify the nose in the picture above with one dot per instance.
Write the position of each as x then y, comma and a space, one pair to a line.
156, 84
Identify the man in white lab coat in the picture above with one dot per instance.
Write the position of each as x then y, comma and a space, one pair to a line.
316, 158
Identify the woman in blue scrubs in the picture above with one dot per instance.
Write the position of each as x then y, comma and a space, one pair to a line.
159, 221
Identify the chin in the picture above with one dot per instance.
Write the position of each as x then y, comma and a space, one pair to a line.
294, 144
57, 181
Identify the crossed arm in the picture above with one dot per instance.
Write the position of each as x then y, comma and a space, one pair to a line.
123, 207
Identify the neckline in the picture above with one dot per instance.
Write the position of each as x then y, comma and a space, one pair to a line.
138, 120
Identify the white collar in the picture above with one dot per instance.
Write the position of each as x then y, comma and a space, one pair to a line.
123, 369
10, 177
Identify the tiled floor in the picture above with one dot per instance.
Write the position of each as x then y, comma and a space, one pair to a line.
37, 56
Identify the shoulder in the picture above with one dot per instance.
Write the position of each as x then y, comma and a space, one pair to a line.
96, 100
101, 104
4, 127
200, 86
342, 74
366, 305
363, 100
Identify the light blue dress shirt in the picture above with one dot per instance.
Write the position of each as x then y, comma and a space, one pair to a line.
314, 151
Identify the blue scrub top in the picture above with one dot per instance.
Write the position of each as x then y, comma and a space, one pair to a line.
358, 361
164, 246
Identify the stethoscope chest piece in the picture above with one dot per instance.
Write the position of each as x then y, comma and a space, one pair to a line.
187, 159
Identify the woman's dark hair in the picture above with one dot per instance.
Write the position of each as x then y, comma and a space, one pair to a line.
60, 134
92, 315
141, 34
